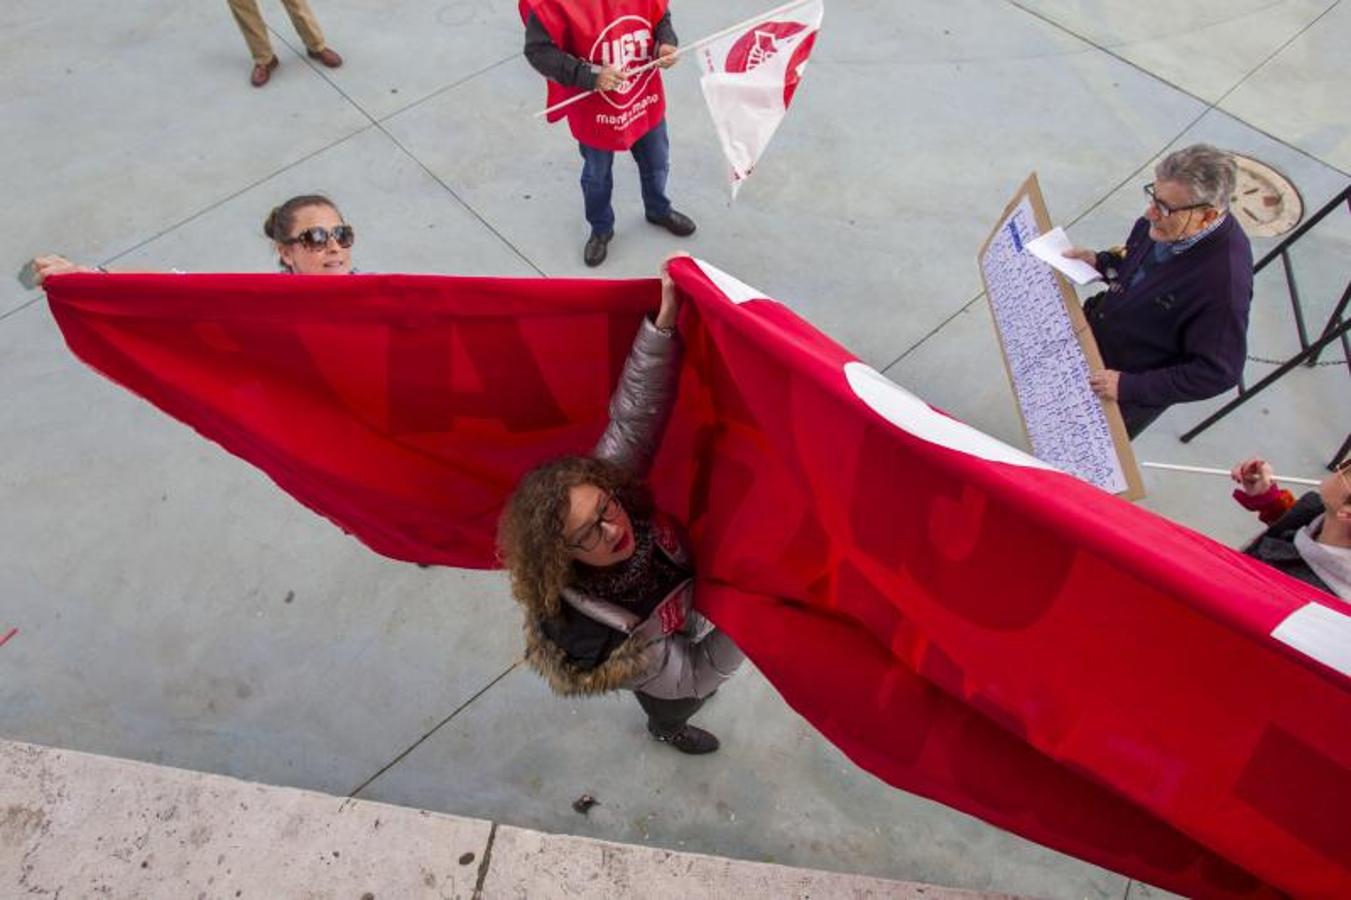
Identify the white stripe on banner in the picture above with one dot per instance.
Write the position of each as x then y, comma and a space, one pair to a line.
1320, 632
734, 289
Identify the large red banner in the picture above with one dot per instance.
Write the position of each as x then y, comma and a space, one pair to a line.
962, 621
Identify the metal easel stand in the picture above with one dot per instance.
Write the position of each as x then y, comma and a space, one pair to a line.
1336, 329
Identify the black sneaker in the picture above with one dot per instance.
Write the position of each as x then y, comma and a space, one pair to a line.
593, 254
687, 739
677, 223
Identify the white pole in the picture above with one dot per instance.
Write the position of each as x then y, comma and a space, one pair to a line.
1201, 470
629, 73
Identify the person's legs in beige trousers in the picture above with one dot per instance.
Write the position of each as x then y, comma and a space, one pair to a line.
306, 25
251, 23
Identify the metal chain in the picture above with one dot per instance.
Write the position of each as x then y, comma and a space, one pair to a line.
1280, 362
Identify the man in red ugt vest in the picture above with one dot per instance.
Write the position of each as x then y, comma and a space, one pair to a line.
585, 45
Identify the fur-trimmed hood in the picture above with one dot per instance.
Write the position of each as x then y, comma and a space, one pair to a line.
620, 669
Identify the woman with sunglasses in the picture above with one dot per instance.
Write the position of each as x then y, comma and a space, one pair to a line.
1309, 538
605, 580
311, 236
308, 233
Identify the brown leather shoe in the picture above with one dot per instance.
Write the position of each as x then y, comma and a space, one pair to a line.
262, 72
327, 56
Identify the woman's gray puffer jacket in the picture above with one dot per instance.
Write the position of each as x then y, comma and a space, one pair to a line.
675, 652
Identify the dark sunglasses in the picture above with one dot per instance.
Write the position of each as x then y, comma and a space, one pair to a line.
316, 238
1164, 209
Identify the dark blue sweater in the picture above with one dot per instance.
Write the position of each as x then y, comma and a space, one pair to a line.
1179, 333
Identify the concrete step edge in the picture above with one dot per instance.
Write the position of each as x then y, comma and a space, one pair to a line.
81, 824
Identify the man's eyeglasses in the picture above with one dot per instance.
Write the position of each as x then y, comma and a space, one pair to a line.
588, 538
1164, 209
1344, 470
316, 238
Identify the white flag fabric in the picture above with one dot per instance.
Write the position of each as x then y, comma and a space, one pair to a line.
749, 79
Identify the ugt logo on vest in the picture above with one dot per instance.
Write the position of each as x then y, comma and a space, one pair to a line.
625, 44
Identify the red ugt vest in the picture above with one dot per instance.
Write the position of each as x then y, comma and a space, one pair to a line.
618, 33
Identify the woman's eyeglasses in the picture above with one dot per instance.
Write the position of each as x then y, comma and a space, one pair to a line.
317, 238
588, 538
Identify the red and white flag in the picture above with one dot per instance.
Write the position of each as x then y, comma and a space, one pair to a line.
749, 79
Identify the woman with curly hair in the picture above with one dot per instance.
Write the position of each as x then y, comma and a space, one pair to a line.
605, 580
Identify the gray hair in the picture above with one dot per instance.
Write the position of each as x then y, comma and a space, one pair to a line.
1208, 172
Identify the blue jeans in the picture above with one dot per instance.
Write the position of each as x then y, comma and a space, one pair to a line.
652, 153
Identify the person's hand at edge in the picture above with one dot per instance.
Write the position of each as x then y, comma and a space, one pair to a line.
1254, 475
670, 299
666, 56
51, 264
1105, 383
1084, 256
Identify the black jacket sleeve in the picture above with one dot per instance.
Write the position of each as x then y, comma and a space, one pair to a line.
664, 33
551, 62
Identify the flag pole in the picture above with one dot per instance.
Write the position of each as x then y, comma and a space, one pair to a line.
629, 73
1201, 470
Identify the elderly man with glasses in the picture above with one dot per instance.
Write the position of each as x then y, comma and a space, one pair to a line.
1172, 324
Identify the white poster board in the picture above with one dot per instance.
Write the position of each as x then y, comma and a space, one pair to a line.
1049, 352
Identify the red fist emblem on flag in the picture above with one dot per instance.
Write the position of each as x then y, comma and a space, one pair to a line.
764, 41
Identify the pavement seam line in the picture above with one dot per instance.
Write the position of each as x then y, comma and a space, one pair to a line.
937, 328
248, 187
437, 727
1263, 64
449, 87
22, 306
485, 862
305, 59
472, 211
379, 124
1017, 4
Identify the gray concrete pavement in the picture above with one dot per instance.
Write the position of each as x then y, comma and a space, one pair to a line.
84, 825
173, 606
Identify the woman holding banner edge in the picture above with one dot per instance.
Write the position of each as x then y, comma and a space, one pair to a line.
605, 580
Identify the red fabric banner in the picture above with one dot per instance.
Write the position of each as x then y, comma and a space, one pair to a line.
963, 622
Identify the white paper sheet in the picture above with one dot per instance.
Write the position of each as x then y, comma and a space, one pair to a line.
1050, 248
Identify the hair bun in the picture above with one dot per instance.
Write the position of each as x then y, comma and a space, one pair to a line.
270, 223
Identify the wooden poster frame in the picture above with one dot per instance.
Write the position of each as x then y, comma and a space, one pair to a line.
1031, 190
